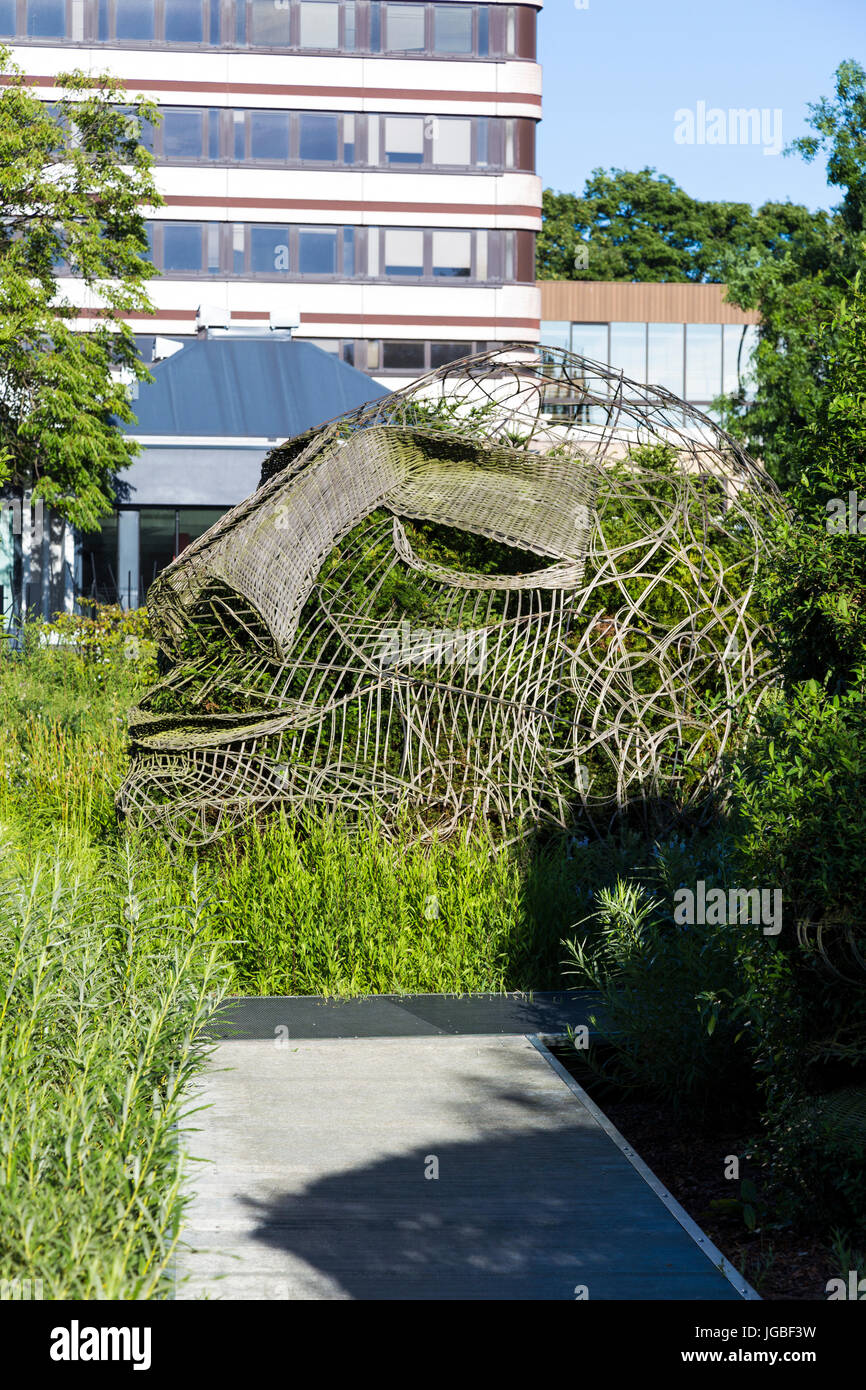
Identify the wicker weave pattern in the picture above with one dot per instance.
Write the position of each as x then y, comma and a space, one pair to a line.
355, 672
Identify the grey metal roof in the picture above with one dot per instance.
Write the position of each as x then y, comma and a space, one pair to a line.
253, 387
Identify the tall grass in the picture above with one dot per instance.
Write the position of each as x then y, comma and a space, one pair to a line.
100, 1035
112, 952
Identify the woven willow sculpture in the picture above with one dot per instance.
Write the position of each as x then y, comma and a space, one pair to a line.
519, 590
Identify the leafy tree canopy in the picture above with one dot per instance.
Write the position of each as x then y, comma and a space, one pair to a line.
643, 227
799, 287
74, 186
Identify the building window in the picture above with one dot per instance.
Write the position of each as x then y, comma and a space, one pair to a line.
404, 252
135, 20
7, 18
443, 353
269, 136
452, 253
628, 349
452, 142
46, 19
318, 138
403, 356
404, 28
317, 250
269, 23
703, 361
184, 20
269, 250
452, 29
404, 139
182, 134
182, 246
320, 24
738, 345
665, 356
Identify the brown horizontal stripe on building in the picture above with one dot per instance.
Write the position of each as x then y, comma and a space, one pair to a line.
281, 89
354, 205
613, 301
425, 320
393, 320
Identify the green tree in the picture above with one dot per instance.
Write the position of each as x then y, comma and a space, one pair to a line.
797, 283
74, 183
643, 227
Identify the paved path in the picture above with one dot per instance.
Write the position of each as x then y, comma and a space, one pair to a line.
318, 1187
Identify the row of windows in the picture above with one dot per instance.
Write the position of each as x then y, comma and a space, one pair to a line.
403, 355
219, 135
325, 26
274, 252
376, 355
695, 361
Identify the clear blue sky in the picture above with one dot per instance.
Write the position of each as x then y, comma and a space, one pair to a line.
616, 72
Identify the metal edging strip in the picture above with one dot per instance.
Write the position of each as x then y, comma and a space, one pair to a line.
713, 1254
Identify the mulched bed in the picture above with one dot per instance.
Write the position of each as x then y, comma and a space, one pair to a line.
779, 1264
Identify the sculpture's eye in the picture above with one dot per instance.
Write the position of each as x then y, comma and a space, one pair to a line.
529, 599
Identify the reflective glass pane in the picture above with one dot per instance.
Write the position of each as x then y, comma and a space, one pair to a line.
482, 140
483, 30
182, 247
703, 361
440, 353
181, 134
349, 139
404, 252
404, 27
452, 142
452, 28
46, 19
348, 250
134, 19
404, 139
269, 135
452, 253
628, 349
269, 23
318, 136
184, 21
590, 340
556, 333
408, 355
349, 24
738, 341
665, 356
7, 17
269, 249
157, 536
320, 24
239, 133
317, 250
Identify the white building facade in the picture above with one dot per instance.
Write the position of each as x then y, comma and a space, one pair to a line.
362, 169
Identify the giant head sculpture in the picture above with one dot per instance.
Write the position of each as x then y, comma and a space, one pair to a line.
520, 590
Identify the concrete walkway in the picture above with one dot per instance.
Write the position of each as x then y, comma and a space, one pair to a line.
446, 1167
